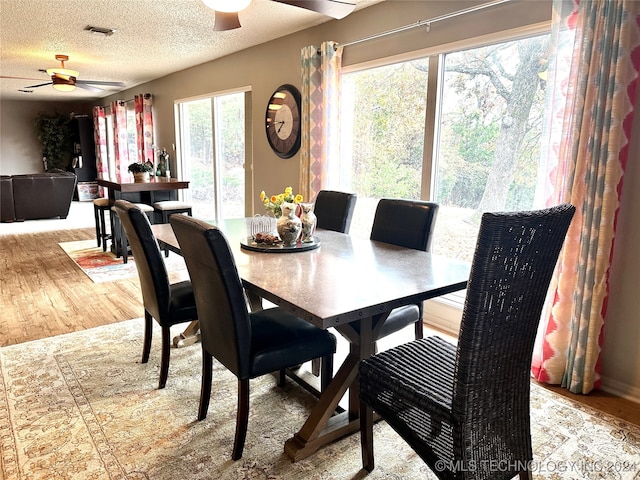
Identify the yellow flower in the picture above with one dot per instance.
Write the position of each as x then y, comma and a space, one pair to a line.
273, 203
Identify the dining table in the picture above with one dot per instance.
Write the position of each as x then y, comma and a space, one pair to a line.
347, 283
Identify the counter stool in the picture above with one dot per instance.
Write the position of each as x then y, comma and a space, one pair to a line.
101, 205
120, 240
163, 210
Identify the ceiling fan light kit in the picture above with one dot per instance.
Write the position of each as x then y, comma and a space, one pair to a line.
64, 84
226, 21
62, 71
226, 11
228, 6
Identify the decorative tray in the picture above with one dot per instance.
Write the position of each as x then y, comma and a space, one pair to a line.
250, 244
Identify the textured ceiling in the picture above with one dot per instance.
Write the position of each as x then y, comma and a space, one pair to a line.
153, 38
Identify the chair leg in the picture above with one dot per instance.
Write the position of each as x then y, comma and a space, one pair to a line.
242, 420
366, 436
164, 362
148, 334
419, 324
327, 372
282, 378
114, 237
315, 367
205, 385
95, 215
103, 230
124, 245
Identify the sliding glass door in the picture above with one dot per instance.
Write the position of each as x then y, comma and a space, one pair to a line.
212, 154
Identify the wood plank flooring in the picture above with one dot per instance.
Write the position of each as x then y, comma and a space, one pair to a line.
43, 293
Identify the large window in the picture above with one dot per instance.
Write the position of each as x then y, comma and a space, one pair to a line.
212, 154
480, 154
471, 144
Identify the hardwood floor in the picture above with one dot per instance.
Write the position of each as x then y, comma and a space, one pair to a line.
43, 293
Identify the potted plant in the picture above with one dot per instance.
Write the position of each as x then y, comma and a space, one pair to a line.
140, 171
56, 136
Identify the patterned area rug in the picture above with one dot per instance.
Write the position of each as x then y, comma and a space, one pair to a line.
81, 406
102, 266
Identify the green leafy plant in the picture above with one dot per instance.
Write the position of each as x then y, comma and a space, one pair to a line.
137, 167
56, 136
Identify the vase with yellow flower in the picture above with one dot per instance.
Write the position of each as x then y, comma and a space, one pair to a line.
273, 203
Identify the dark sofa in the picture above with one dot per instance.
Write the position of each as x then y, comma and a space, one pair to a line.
37, 195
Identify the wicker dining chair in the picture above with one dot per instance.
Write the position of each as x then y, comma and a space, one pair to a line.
249, 345
465, 409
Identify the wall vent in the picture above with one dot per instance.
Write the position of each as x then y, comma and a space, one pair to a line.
107, 32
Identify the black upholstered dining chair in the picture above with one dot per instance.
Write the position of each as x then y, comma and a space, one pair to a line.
334, 210
465, 409
249, 345
409, 224
170, 304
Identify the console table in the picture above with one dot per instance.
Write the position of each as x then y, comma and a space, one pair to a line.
155, 190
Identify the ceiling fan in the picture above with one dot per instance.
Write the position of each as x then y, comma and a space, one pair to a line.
66, 80
226, 12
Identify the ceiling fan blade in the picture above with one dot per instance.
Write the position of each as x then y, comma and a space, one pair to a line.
332, 8
225, 21
98, 82
91, 88
39, 85
19, 78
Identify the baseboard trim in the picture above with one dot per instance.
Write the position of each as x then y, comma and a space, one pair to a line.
620, 389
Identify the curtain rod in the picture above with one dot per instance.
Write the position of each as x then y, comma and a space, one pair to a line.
422, 23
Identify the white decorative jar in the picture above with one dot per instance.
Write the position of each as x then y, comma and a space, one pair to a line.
309, 221
289, 226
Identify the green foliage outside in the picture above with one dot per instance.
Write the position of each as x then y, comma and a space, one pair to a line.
228, 112
493, 99
388, 132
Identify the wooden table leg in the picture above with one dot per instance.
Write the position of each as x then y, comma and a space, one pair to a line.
190, 335
323, 425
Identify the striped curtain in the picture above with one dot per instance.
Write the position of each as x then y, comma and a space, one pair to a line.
592, 87
119, 113
320, 142
144, 127
100, 139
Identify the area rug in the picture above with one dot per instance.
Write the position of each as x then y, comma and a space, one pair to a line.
102, 266
82, 406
